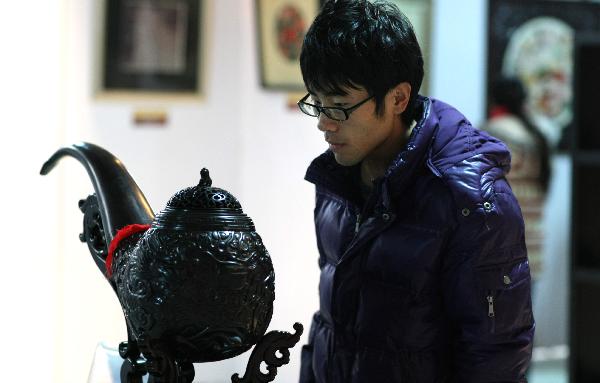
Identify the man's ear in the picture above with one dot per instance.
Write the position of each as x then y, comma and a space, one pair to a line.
400, 95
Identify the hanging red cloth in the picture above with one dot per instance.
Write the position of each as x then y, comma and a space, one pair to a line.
121, 235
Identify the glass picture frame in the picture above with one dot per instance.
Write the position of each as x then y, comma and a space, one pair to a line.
151, 47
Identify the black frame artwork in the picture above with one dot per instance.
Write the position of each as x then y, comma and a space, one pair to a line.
152, 46
505, 19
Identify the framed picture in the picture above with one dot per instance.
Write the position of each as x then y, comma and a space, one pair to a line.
152, 46
281, 26
533, 41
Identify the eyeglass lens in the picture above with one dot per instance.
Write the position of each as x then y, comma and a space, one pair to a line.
333, 113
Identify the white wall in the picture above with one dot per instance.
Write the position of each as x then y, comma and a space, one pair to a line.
459, 55
254, 144
29, 231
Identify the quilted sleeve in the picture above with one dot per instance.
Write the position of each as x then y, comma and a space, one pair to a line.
486, 281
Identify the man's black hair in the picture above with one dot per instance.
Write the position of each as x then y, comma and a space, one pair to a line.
357, 43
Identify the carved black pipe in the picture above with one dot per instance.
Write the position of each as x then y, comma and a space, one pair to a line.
120, 200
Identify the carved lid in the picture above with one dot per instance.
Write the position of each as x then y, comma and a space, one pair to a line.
203, 207
204, 196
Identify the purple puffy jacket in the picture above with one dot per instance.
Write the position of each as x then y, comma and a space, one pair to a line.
428, 281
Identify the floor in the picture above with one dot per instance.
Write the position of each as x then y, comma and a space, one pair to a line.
552, 371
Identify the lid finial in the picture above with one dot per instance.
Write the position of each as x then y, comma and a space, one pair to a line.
205, 180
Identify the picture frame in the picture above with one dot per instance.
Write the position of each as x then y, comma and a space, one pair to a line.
281, 26
151, 47
544, 65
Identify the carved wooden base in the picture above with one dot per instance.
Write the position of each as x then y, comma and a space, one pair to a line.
266, 351
164, 368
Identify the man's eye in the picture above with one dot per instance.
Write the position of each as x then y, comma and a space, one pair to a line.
339, 103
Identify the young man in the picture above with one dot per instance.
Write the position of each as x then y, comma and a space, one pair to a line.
424, 271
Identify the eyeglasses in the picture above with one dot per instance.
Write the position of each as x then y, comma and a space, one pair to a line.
335, 113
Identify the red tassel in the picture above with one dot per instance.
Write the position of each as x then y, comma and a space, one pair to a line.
121, 235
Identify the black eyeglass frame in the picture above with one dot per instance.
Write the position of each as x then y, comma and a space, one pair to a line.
325, 109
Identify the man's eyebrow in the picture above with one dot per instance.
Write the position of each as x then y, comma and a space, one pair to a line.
332, 93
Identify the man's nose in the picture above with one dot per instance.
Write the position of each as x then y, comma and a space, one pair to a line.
326, 124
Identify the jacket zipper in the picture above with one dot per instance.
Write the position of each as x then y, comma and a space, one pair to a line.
368, 206
362, 216
491, 311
